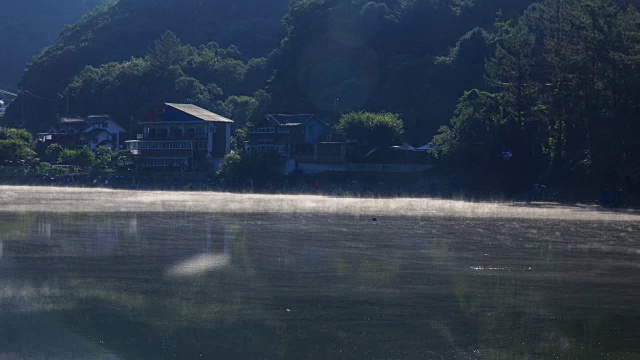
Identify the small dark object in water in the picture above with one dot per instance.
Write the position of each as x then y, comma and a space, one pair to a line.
374, 219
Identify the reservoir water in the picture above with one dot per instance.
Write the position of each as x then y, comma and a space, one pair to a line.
90, 273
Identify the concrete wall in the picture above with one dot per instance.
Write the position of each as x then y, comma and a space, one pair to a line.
311, 168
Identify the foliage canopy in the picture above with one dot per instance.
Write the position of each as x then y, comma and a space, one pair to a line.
376, 130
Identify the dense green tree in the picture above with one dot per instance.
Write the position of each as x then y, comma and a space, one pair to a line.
258, 166
232, 166
375, 130
16, 145
240, 108
125, 160
83, 158
52, 153
103, 159
68, 156
509, 71
167, 51
20, 135
478, 123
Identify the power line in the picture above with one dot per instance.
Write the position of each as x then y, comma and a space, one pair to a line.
37, 96
5, 92
8, 93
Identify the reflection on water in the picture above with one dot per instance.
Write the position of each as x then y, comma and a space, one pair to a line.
199, 265
154, 285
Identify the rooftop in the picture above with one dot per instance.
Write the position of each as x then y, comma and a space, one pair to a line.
291, 119
66, 120
199, 112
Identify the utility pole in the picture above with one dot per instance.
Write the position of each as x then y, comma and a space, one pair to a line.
22, 95
67, 104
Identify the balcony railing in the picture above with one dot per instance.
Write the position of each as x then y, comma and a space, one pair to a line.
135, 145
160, 137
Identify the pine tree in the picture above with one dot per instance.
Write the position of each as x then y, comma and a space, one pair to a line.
509, 71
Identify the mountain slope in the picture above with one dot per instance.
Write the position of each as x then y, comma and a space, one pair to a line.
129, 28
27, 26
340, 56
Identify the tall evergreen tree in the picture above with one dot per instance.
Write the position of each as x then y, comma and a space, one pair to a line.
509, 71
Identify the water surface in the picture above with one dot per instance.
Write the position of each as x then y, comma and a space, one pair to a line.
181, 281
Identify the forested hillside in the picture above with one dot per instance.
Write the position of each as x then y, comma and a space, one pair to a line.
332, 56
510, 91
411, 57
563, 99
128, 29
26, 26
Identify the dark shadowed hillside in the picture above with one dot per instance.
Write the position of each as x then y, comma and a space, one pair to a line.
413, 57
26, 26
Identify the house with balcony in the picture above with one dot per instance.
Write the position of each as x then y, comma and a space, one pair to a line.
301, 137
182, 136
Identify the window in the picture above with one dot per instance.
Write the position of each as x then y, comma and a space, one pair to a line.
263, 130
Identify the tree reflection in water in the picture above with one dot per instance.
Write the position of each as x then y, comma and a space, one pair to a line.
149, 285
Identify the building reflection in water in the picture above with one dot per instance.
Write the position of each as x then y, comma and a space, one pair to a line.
174, 235
44, 228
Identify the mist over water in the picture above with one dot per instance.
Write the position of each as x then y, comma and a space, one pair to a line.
50, 199
92, 273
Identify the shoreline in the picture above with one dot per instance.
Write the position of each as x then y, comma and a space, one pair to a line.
440, 186
86, 200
